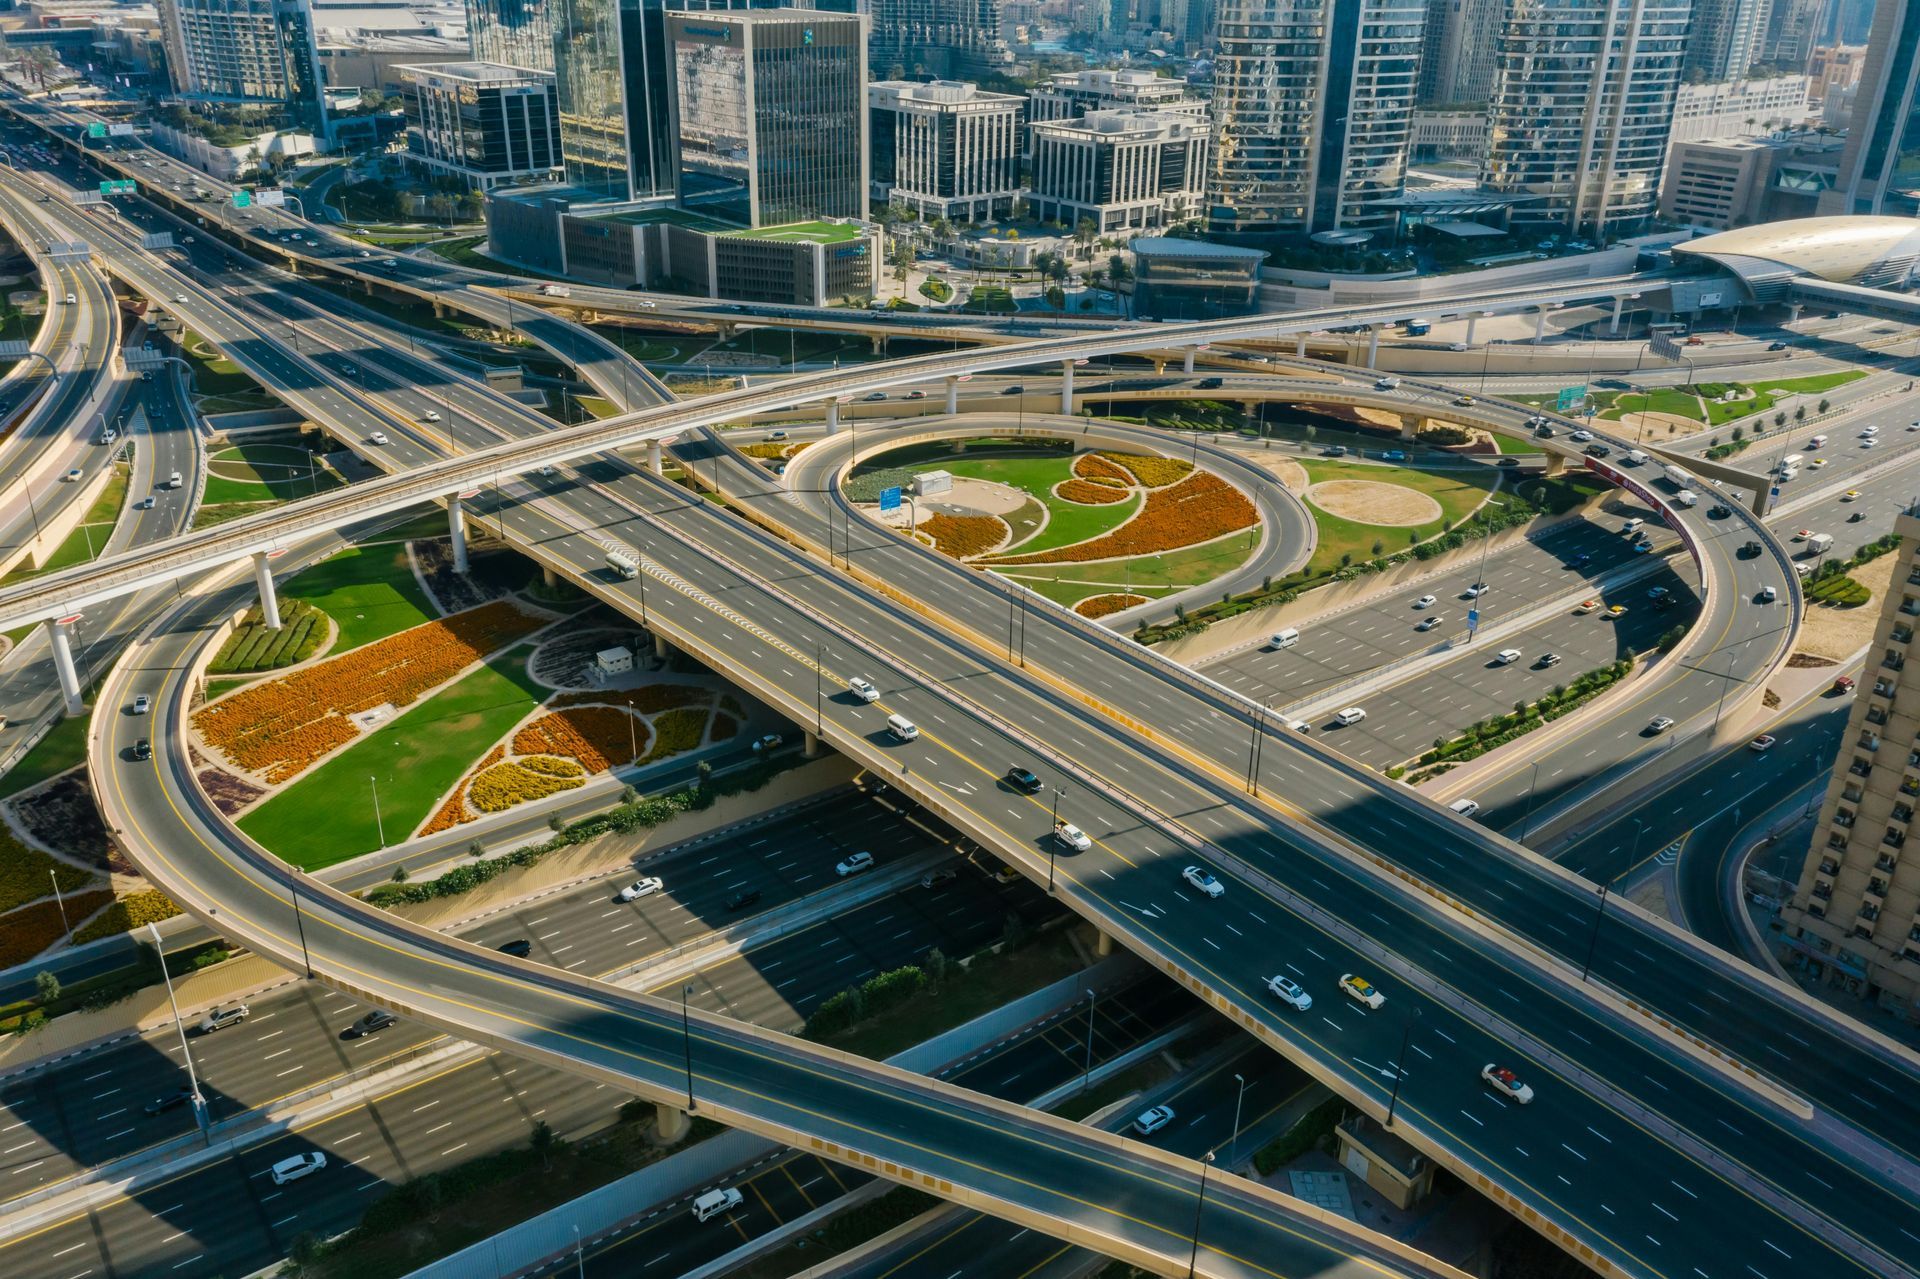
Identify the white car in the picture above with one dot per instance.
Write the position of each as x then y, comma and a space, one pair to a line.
430, 416
142, 704
1072, 836
1361, 991
641, 888
294, 1167
1349, 717
1659, 724
1425, 601
366, 253
379, 437
1152, 1120
863, 689
854, 865
1870, 432
1203, 882
1475, 591
1768, 595
1506, 1083
72, 476
1465, 807
1763, 743
179, 297
1581, 436
1288, 992
1428, 623
1506, 657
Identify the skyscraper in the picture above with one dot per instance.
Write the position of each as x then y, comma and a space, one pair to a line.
514, 33
1581, 109
769, 112
1313, 113
1728, 36
258, 52
590, 91
1880, 169
1456, 57
918, 39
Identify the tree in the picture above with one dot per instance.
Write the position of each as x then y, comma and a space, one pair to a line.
1824, 404
1800, 413
940, 228
1084, 234
1119, 268
476, 849
705, 771
935, 965
46, 986
474, 205
543, 1143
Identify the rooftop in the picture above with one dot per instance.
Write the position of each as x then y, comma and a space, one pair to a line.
1844, 250
672, 217
809, 232
1168, 247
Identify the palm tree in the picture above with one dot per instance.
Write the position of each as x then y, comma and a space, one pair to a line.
1083, 235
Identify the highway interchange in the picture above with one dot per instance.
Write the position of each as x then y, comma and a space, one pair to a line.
583, 556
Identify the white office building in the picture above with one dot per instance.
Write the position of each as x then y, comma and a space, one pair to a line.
1740, 108
1123, 170
255, 52
1072, 94
945, 149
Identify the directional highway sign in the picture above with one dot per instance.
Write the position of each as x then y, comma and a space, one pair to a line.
890, 499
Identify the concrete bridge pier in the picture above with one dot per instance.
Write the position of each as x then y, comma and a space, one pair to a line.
811, 747
1409, 425
662, 646
1540, 323
1473, 322
1102, 945
879, 343
1300, 346
953, 396
457, 532
833, 416
269, 598
549, 578
1556, 464
1619, 305
653, 456
1793, 311
1066, 386
63, 664
1187, 364
670, 1124
1373, 344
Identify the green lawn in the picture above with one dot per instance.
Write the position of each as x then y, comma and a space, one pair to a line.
651, 348
1515, 444
64, 746
1672, 400
327, 816
800, 346
214, 373
1459, 493
991, 298
89, 537
1150, 575
369, 591
264, 473
1067, 522
807, 232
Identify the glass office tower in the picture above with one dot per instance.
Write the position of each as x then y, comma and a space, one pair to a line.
1880, 169
513, 33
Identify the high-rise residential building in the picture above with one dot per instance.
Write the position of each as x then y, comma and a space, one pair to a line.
1739, 108
916, 39
514, 33
1313, 113
1581, 108
1835, 68
481, 123
945, 149
1854, 918
1727, 37
1456, 55
1072, 94
1881, 170
1121, 170
769, 113
259, 52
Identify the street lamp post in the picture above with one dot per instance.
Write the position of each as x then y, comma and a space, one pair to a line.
819, 693
686, 1040
299, 923
1239, 1100
378, 825
1053, 836
1254, 748
66, 929
186, 1051
1593, 938
1400, 1066
1199, 1204
1086, 1073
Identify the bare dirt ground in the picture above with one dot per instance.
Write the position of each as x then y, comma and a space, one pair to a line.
982, 497
1371, 502
1656, 425
1839, 633
1290, 473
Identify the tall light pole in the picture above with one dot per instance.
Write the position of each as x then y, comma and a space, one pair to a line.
1086, 1073
378, 825
193, 1079
1193, 1257
1053, 836
1238, 1100
686, 1040
1400, 1066
1593, 938
66, 929
300, 924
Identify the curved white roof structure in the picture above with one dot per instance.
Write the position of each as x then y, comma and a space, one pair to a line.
1877, 251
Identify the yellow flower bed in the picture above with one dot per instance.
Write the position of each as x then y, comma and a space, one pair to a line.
675, 733
1093, 467
27, 874
510, 783
1090, 492
1154, 472
135, 910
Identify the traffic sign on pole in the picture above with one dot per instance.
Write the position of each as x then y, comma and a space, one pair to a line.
1569, 397
242, 198
890, 499
96, 130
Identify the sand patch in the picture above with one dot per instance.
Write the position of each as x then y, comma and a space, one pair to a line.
1371, 502
1839, 633
1658, 423
981, 497
1290, 473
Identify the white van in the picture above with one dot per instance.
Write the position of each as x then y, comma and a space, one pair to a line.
1350, 716
1286, 637
1465, 807
1792, 461
715, 1202
1632, 525
173, 480
902, 728
1635, 457
1687, 497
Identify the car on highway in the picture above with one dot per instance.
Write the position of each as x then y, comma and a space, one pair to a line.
144, 504
743, 899
853, 865
379, 437
1816, 464
1066, 833
1851, 495
1719, 511
1763, 743
1776, 346
1869, 432
1586, 606
639, 888
430, 416
1152, 1120
169, 1101
1506, 1083
776, 435
1288, 992
1465, 807
519, 947
1463, 401
1428, 622
1816, 441
142, 704
372, 1024
179, 297
1657, 592
1658, 725
1024, 780
863, 689
1013, 390
294, 1167
1581, 436
1361, 991
1642, 548
1505, 657
935, 878
875, 398
1475, 591
1867, 444
143, 749
1203, 881
1426, 601
1580, 561
220, 1018
1768, 594
1350, 716
1844, 684
715, 1202
1545, 660
72, 476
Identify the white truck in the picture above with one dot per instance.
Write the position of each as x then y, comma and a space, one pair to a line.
1820, 543
1687, 497
555, 291
623, 565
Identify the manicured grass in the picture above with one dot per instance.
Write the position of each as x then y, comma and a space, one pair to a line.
213, 373
1150, 575
1459, 493
802, 347
1068, 522
650, 348
1679, 403
1515, 444
64, 746
208, 516
369, 591
596, 405
992, 298
807, 232
89, 537
258, 472
327, 816
256, 647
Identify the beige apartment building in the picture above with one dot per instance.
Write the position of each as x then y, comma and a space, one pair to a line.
1854, 920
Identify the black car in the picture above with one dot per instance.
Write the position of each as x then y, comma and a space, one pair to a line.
1719, 511
143, 749
374, 1022
1598, 450
1750, 550
520, 948
743, 899
1776, 346
1012, 390
173, 1100
1580, 560
1211, 383
1023, 780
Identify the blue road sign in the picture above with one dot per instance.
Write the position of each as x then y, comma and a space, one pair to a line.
890, 499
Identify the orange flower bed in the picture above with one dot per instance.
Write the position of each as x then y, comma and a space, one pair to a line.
598, 737
1091, 466
962, 536
450, 814
649, 699
1197, 509
1101, 605
1154, 472
279, 728
1088, 493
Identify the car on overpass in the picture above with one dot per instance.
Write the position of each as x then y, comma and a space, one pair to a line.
1203, 881
1506, 1083
1361, 991
1289, 992
1071, 836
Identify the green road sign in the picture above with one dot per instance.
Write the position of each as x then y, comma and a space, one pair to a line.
96, 130
118, 186
243, 199
1569, 397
